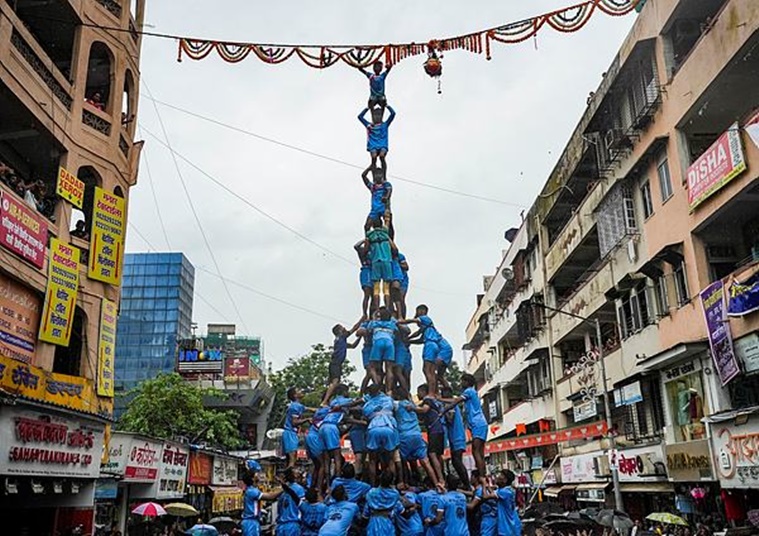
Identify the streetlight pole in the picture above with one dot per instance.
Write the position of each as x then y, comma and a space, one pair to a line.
614, 467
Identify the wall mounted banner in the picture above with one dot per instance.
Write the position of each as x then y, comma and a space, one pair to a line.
19, 320
720, 164
106, 347
107, 242
22, 230
70, 188
743, 297
60, 298
718, 328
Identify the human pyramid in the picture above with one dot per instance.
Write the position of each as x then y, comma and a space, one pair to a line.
399, 480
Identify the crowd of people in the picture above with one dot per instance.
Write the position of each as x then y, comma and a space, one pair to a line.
35, 193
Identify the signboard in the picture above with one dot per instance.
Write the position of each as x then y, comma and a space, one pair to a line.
718, 329
579, 468
720, 164
60, 298
585, 410
58, 389
143, 461
35, 443
224, 471
644, 464
19, 320
736, 453
192, 360
201, 468
586, 431
172, 472
22, 230
119, 447
236, 369
747, 350
743, 298
628, 395
226, 500
106, 347
690, 461
752, 128
70, 188
106, 488
107, 243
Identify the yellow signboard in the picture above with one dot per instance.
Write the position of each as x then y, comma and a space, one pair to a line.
107, 243
59, 389
70, 188
106, 345
60, 298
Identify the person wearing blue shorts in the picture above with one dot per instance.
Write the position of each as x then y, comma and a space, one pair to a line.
315, 445
340, 348
366, 353
475, 419
383, 347
403, 357
340, 515
293, 419
454, 425
380, 505
381, 191
357, 436
403, 262
382, 431
413, 448
436, 352
381, 249
365, 275
488, 508
329, 431
355, 489
288, 513
396, 295
377, 84
377, 135
251, 510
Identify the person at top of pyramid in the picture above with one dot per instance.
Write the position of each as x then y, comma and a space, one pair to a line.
376, 78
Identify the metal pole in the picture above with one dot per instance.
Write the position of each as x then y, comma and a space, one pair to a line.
607, 410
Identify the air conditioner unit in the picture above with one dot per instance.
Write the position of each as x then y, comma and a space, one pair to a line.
601, 466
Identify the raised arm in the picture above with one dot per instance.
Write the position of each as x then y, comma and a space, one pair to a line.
272, 495
363, 119
392, 114
365, 178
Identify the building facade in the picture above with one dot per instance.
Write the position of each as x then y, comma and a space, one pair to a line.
68, 97
156, 313
648, 224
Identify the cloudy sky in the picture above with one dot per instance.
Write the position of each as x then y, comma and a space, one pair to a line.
495, 132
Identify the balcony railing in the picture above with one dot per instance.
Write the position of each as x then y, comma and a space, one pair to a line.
112, 6
39, 67
96, 122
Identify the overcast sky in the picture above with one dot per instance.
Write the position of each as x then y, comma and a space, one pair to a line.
496, 132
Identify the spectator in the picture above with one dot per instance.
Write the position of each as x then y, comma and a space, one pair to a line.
80, 231
96, 101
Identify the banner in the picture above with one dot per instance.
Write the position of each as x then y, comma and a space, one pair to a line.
201, 468
22, 230
743, 298
720, 164
236, 369
107, 242
106, 346
19, 320
70, 188
60, 298
718, 328
752, 128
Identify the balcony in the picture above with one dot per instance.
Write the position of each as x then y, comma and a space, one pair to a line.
570, 386
526, 412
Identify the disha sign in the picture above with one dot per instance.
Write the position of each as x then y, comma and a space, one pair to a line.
720, 164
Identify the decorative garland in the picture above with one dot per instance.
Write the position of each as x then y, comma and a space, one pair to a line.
567, 20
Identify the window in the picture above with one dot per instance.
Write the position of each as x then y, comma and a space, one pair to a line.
648, 202
630, 223
687, 405
662, 295
633, 311
665, 181
681, 284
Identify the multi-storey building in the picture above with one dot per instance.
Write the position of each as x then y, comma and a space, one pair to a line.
648, 224
68, 97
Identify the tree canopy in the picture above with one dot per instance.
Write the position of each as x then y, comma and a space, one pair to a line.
310, 373
167, 406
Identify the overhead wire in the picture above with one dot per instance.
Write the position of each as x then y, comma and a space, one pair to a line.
144, 156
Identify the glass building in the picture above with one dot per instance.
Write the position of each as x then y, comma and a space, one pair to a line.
155, 312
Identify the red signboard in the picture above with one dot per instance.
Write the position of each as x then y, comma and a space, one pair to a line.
144, 459
721, 163
201, 469
236, 369
22, 230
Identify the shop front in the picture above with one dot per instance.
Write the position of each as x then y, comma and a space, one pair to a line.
199, 477
690, 469
643, 481
49, 465
584, 472
226, 488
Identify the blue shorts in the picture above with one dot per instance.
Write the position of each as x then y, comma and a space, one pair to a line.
366, 355
397, 272
456, 442
288, 528
383, 438
382, 271
445, 352
377, 211
383, 350
479, 431
314, 443
404, 282
250, 527
330, 436
413, 447
289, 441
489, 526
430, 351
402, 355
357, 435
365, 277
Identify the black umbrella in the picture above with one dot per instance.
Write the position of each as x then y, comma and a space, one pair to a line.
224, 523
540, 510
615, 519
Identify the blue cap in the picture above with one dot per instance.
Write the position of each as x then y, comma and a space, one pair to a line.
253, 466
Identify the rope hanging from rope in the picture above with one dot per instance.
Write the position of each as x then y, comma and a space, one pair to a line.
567, 20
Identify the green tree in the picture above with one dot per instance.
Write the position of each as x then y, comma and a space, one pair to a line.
310, 373
167, 406
454, 376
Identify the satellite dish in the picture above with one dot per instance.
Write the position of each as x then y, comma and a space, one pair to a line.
508, 274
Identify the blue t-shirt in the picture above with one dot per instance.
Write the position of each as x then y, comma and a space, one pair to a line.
379, 191
379, 245
294, 409
355, 490
432, 419
454, 503
383, 329
319, 415
335, 416
455, 427
431, 501
379, 411
473, 407
339, 349
376, 83
379, 499
408, 422
430, 332
411, 525
489, 507
377, 134
339, 518
312, 517
368, 336
287, 508
509, 523
251, 508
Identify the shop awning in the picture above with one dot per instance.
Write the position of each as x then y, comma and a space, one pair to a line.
593, 485
647, 487
553, 491
730, 415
